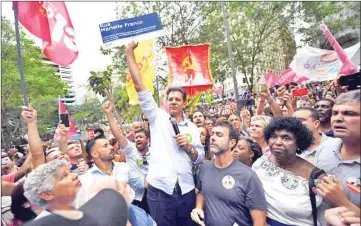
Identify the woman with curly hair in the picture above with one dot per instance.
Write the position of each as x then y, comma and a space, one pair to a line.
247, 151
285, 176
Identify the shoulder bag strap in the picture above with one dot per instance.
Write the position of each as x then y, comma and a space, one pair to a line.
315, 173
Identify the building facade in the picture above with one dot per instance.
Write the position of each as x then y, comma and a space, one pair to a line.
275, 58
66, 75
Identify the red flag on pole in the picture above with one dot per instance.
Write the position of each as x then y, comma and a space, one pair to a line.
72, 128
50, 22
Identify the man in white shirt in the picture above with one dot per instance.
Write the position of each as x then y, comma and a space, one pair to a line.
137, 154
171, 195
103, 154
310, 118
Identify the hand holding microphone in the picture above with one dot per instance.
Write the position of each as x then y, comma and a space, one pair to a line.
181, 139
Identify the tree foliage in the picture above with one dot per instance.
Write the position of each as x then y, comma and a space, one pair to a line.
260, 28
42, 84
86, 113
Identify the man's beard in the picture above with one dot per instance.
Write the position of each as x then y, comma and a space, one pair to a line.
216, 150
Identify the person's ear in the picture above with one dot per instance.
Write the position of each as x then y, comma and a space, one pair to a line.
46, 196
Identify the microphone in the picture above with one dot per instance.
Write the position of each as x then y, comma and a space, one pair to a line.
175, 125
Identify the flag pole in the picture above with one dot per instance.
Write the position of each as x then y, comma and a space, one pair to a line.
231, 57
20, 60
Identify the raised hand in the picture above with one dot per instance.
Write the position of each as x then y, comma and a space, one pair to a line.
63, 130
108, 107
29, 114
131, 46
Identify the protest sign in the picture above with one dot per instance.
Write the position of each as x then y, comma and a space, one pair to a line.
144, 56
320, 64
120, 32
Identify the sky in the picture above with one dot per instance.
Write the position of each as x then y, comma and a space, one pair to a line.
86, 17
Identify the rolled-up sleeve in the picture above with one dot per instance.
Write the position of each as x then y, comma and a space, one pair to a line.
148, 104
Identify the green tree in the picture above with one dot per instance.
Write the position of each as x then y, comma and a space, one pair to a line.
259, 27
89, 112
41, 82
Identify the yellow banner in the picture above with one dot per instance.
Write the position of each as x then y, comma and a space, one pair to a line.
144, 56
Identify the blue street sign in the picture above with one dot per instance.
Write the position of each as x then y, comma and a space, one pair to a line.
122, 31
76, 137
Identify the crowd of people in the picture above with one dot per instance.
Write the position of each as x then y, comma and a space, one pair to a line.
282, 160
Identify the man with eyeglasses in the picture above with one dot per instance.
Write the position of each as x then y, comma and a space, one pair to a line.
137, 153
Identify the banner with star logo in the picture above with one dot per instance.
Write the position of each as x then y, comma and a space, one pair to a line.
189, 68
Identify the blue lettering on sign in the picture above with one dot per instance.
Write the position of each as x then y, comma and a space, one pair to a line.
120, 29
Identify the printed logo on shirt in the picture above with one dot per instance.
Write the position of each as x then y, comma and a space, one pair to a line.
189, 137
139, 161
353, 184
228, 182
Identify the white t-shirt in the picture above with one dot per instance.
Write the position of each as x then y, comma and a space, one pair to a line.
286, 194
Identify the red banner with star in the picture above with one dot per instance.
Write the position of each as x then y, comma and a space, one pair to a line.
189, 68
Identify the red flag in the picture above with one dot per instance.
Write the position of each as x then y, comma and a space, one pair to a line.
189, 68
271, 79
218, 90
72, 129
348, 66
50, 22
289, 76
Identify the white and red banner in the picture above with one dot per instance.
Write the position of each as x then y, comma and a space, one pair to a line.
72, 129
286, 77
50, 22
320, 64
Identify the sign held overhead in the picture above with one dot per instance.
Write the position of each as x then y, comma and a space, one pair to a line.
121, 32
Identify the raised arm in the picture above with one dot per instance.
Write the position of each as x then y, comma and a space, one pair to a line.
275, 108
30, 116
116, 131
63, 143
133, 67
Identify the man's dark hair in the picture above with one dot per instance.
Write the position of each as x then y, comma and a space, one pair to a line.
90, 144
199, 112
99, 130
304, 137
177, 89
314, 113
146, 132
234, 115
232, 131
328, 100
267, 111
112, 141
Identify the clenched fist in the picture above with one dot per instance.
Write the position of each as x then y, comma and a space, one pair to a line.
108, 107
131, 46
29, 114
